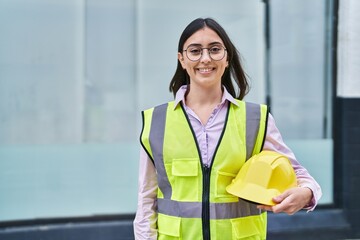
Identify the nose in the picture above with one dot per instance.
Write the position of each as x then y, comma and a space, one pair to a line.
205, 55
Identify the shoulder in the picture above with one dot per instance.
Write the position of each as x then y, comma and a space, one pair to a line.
251, 106
159, 106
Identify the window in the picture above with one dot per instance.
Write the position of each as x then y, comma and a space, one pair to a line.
74, 76
300, 84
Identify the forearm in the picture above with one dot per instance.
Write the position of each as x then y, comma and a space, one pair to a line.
307, 181
145, 223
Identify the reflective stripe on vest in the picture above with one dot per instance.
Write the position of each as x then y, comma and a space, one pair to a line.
252, 127
156, 142
238, 209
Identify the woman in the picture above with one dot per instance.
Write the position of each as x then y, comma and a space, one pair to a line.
193, 147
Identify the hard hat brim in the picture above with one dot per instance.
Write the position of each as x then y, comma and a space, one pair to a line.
251, 192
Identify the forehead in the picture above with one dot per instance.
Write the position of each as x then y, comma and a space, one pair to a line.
203, 37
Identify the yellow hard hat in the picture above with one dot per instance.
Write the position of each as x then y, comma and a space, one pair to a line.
262, 177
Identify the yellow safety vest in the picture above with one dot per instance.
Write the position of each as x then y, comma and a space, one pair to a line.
192, 200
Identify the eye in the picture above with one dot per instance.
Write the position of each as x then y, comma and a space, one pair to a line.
215, 49
194, 51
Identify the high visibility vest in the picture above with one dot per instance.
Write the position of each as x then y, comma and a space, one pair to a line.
192, 202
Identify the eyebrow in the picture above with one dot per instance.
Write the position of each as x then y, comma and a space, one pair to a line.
199, 45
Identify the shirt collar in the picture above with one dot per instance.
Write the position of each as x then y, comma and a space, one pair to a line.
180, 96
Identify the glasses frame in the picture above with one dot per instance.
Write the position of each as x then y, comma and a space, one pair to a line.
201, 54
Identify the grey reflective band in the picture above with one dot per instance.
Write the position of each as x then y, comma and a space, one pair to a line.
242, 208
179, 209
253, 114
230, 210
156, 139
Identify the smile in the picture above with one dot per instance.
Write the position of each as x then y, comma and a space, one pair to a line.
205, 70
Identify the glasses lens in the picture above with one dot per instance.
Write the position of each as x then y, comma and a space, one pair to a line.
216, 53
194, 53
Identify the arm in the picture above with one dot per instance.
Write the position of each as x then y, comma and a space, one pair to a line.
145, 223
308, 192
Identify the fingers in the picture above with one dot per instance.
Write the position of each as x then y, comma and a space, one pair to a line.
265, 208
290, 202
286, 207
281, 207
285, 203
281, 197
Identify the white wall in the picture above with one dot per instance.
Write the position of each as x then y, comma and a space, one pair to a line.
348, 58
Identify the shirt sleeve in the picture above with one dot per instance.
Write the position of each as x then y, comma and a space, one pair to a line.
145, 223
274, 142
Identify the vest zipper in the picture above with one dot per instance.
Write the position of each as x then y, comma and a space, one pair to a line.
206, 203
206, 177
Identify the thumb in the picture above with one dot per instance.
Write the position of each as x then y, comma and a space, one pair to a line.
281, 197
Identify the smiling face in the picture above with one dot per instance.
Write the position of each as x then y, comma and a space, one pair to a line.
205, 72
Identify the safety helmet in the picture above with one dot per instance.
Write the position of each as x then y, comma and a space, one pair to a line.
262, 177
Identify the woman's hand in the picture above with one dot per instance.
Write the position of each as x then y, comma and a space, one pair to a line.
290, 201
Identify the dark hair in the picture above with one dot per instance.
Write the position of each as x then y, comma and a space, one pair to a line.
234, 70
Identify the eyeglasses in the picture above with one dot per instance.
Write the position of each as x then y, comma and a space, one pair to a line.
194, 53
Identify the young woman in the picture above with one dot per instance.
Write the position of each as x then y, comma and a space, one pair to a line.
193, 147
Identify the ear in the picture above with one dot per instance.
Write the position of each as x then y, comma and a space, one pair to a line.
181, 60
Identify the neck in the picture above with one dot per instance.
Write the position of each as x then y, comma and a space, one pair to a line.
204, 96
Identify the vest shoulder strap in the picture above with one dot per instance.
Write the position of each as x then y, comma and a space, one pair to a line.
256, 126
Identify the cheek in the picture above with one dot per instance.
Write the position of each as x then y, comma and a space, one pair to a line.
223, 67
188, 66
226, 65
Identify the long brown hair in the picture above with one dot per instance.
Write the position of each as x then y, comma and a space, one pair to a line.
234, 78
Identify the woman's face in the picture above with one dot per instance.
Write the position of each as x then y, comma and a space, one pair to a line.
204, 72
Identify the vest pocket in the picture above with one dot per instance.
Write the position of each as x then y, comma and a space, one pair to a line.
223, 179
186, 167
185, 173
247, 228
168, 227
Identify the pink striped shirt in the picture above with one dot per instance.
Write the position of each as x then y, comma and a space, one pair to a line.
207, 136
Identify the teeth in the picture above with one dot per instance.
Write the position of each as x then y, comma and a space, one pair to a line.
205, 70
